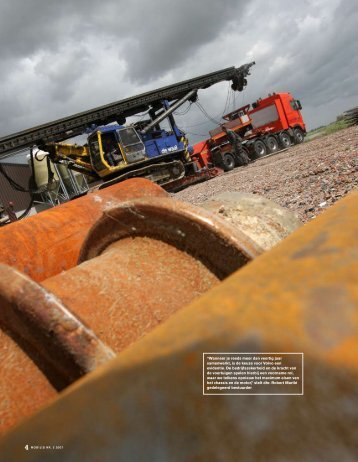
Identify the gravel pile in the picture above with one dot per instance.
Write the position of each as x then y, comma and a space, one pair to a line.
307, 178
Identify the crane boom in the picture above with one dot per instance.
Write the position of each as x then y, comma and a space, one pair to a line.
76, 124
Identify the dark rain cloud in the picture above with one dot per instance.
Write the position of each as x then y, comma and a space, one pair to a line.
57, 58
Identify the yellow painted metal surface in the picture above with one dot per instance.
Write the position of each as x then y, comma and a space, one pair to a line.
104, 172
72, 150
147, 404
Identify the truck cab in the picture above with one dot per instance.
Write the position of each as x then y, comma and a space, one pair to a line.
278, 111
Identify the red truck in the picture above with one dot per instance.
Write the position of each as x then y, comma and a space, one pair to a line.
271, 124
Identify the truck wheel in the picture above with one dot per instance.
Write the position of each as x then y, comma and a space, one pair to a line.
285, 140
272, 144
260, 148
298, 135
228, 162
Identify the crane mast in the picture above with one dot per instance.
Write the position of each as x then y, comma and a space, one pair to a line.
77, 124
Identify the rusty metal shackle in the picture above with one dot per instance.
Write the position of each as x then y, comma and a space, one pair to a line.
141, 262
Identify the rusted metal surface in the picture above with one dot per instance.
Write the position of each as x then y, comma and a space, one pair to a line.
24, 388
48, 243
141, 262
132, 287
43, 347
145, 259
264, 221
220, 246
147, 404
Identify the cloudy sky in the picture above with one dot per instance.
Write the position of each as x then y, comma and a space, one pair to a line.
62, 57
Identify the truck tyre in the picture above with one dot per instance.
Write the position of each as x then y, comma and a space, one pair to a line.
298, 135
228, 162
285, 140
260, 148
272, 144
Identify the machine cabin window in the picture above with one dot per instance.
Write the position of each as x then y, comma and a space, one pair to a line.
111, 151
129, 136
95, 152
130, 140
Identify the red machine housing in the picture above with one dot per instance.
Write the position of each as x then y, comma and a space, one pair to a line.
201, 153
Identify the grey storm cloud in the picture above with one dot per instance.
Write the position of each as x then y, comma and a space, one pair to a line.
33, 25
151, 36
57, 58
173, 31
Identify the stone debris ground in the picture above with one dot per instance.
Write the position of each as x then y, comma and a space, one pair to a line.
307, 178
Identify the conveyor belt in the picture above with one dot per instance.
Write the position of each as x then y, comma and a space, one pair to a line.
76, 124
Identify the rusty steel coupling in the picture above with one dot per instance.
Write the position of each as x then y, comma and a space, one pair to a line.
148, 403
140, 262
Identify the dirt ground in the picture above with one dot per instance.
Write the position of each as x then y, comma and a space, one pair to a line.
307, 178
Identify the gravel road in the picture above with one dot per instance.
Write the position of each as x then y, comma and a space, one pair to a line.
306, 178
